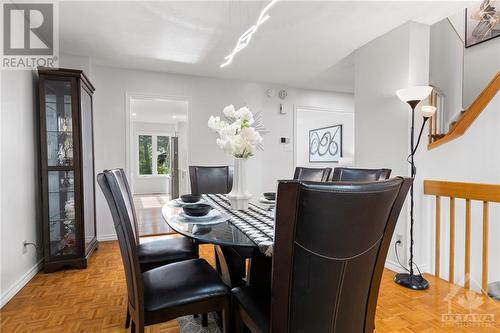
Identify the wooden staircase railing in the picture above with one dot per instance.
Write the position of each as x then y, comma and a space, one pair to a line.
468, 116
469, 191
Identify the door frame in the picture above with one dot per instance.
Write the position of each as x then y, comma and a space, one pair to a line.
129, 138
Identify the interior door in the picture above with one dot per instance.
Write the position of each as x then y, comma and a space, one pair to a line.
174, 166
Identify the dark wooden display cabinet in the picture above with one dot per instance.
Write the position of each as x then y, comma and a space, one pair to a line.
67, 167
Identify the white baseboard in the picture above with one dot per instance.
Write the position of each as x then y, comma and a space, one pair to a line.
104, 238
20, 283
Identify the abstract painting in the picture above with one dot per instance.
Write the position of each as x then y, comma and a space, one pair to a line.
325, 144
482, 22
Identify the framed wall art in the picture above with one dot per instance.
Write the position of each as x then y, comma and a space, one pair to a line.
325, 144
482, 22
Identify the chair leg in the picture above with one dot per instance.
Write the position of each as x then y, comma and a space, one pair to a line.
139, 327
204, 320
127, 319
226, 322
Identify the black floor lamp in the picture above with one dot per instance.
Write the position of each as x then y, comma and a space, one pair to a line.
413, 96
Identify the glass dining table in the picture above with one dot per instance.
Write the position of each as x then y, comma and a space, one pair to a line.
224, 233
238, 257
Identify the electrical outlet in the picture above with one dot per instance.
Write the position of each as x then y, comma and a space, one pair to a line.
399, 239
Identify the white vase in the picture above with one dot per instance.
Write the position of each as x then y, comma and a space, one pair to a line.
239, 195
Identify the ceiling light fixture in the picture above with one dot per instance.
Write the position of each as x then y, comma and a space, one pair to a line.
245, 38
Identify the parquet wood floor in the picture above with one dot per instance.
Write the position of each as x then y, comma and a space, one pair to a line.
149, 218
93, 300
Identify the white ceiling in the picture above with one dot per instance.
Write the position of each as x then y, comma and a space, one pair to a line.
158, 111
300, 45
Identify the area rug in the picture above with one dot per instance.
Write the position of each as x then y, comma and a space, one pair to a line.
189, 324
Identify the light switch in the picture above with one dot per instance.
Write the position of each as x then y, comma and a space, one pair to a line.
283, 109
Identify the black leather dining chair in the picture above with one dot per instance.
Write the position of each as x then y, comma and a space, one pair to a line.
167, 292
215, 180
158, 252
331, 242
211, 179
312, 174
359, 175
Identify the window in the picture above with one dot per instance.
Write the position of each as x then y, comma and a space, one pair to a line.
153, 155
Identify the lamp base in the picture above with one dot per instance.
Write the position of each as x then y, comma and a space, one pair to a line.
411, 281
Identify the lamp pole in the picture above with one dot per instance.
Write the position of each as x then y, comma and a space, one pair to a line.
413, 105
409, 280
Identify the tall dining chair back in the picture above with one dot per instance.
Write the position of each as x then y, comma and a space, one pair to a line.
122, 215
130, 204
359, 175
158, 252
211, 179
328, 263
312, 174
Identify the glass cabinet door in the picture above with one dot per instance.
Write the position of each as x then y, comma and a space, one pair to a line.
62, 228
59, 123
60, 168
87, 152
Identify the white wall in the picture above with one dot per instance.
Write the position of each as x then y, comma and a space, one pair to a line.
474, 157
446, 68
393, 61
148, 184
206, 97
481, 61
481, 64
19, 197
308, 119
72, 61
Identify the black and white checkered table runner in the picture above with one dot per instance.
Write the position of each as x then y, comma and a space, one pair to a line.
257, 223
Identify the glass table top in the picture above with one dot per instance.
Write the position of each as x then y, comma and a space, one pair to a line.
224, 233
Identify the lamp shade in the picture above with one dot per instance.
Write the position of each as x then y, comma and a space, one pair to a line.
428, 111
416, 93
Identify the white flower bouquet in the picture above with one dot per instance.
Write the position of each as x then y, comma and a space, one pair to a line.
238, 134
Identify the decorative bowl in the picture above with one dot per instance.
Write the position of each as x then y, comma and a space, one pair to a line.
197, 209
271, 196
190, 198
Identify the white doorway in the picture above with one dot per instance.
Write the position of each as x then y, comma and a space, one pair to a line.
157, 156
